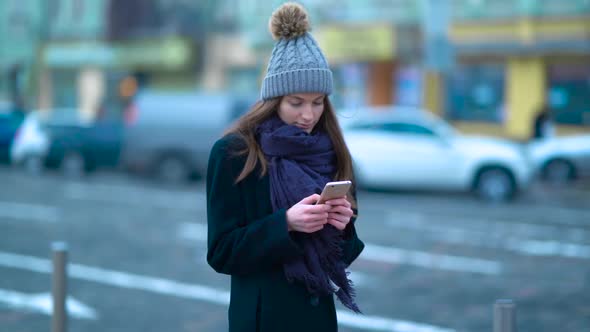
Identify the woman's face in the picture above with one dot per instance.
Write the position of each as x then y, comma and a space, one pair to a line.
302, 110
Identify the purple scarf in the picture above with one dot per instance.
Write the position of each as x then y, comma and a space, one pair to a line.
300, 164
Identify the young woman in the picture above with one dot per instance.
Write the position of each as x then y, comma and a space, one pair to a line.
286, 255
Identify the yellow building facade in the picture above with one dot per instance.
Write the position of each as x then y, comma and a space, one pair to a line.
530, 53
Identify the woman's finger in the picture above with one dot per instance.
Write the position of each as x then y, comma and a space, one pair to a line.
338, 202
340, 219
342, 210
311, 199
312, 218
343, 218
315, 209
336, 223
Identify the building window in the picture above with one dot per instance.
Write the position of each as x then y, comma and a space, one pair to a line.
568, 88
408, 86
476, 93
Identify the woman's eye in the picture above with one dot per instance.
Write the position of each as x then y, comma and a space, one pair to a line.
318, 103
296, 104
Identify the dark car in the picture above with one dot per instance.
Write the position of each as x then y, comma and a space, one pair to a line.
76, 148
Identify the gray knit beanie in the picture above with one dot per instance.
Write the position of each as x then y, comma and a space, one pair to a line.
296, 64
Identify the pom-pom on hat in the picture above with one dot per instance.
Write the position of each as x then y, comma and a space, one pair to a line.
296, 65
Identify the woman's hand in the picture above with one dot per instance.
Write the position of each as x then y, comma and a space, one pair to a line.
340, 212
307, 217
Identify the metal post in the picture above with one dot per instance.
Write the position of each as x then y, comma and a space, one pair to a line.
438, 52
438, 48
504, 316
59, 287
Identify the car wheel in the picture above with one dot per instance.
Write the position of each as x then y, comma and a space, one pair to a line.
73, 165
172, 170
558, 172
495, 185
33, 164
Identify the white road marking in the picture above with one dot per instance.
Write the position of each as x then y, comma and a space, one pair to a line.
375, 323
499, 236
119, 279
29, 212
382, 254
194, 291
192, 231
42, 303
427, 260
360, 279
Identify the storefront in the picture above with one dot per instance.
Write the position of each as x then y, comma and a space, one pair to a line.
79, 75
475, 92
507, 71
362, 58
568, 92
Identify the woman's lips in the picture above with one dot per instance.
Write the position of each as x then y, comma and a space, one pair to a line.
302, 126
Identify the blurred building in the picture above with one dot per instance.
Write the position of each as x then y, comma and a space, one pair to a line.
370, 45
101, 50
514, 57
21, 31
503, 59
510, 58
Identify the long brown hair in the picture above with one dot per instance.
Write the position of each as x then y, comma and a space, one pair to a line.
245, 127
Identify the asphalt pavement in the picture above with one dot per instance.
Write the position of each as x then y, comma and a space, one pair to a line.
433, 262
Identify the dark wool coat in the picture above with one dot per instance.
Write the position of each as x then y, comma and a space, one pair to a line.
249, 242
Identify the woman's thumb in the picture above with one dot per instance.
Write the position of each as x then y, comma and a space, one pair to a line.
311, 199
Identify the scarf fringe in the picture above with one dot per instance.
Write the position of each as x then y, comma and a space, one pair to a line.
331, 262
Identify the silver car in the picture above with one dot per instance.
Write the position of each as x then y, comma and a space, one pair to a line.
409, 148
169, 134
561, 159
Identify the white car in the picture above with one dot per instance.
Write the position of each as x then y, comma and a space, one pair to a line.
413, 149
561, 159
30, 144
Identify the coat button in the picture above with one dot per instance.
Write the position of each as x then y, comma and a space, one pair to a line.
314, 301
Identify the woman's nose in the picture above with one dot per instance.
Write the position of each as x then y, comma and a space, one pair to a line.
307, 113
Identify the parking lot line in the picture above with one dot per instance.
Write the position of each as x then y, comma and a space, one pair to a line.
194, 291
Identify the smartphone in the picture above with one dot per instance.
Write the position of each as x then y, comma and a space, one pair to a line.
333, 190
